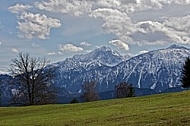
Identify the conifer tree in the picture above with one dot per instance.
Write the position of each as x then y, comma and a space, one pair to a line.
185, 79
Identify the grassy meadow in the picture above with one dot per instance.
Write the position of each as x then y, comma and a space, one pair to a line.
157, 110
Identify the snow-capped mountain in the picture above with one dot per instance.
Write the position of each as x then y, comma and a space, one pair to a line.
101, 56
70, 69
158, 70
6, 88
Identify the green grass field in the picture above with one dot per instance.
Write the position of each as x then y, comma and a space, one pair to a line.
165, 109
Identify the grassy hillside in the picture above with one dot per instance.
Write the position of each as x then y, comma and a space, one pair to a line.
164, 109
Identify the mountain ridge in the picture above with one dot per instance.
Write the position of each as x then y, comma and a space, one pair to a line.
157, 69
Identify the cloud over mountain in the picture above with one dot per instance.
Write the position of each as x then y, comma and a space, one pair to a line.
118, 18
39, 26
119, 44
69, 47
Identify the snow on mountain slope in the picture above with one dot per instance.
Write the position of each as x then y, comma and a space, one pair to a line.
158, 70
101, 56
6, 88
70, 71
104, 55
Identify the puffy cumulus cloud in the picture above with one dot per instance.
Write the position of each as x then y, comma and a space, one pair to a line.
117, 16
32, 25
14, 50
175, 29
109, 3
116, 22
18, 8
157, 4
175, 1
75, 7
85, 7
36, 25
69, 48
80, 7
147, 4
119, 44
85, 44
178, 28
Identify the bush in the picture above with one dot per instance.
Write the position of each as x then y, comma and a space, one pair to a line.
75, 100
124, 90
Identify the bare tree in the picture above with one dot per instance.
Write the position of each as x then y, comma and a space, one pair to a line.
124, 90
90, 93
34, 80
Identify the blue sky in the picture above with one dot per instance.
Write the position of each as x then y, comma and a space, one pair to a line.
57, 29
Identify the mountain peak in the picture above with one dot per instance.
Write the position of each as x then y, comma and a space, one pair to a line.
175, 46
103, 54
104, 49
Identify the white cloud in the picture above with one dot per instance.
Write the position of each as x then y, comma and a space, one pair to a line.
119, 44
117, 17
18, 8
14, 50
85, 44
178, 29
74, 7
51, 53
143, 51
36, 25
0, 43
69, 47
116, 22
109, 3
35, 45
175, 29
60, 53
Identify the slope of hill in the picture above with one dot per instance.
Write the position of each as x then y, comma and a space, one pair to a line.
157, 70
165, 109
